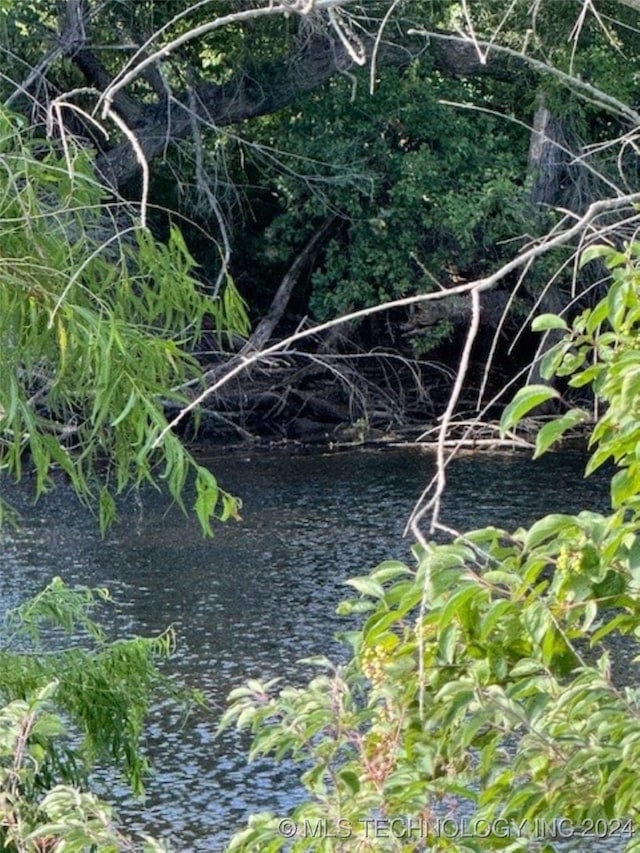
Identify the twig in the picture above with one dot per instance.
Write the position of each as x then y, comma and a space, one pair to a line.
433, 503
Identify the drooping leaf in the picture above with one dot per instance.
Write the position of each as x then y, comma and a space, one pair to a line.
525, 400
555, 429
600, 250
545, 322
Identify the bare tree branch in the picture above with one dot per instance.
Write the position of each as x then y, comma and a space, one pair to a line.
586, 90
561, 238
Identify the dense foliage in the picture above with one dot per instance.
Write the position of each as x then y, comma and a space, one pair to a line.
70, 697
429, 179
416, 199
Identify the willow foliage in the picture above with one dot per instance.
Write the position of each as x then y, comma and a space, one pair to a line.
96, 320
70, 698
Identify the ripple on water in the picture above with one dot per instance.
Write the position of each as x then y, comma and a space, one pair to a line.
260, 595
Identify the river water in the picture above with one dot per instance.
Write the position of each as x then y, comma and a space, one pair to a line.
261, 594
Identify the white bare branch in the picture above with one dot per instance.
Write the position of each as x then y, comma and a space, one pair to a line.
560, 238
269, 10
586, 90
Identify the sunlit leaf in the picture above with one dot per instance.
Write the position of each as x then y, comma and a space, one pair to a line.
525, 400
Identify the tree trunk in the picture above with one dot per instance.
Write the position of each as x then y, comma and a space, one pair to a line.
265, 328
547, 155
548, 162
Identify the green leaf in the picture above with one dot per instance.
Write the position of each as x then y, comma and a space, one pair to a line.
547, 527
622, 622
552, 431
545, 322
526, 399
351, 780
457, 603
630, 390
598, 458
616, 259
133, 397
600, 250
378, 624
596, 317
107, 510
493, 616
537, 620
208, 492
389, 570
625, 485
367, 586
527, 666
447, 642
590, 613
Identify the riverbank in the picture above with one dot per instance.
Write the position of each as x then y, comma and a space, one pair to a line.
464, 436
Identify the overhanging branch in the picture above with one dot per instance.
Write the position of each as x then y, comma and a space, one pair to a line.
275, 85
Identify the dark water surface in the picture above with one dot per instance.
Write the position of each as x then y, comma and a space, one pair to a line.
262, 594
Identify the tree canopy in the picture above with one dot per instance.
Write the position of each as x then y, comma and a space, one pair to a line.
318, 158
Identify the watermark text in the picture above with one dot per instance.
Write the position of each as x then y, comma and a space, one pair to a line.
407, 829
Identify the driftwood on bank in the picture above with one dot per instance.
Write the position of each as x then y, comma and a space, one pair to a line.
316, 395
266, 327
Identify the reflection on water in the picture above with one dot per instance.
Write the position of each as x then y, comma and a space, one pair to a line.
263, 593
